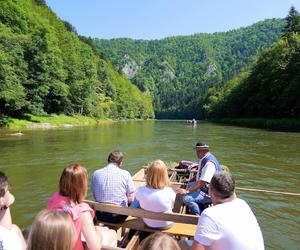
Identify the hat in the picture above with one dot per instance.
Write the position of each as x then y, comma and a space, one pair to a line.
201, 146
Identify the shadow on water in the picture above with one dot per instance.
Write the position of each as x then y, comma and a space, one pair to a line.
257, 158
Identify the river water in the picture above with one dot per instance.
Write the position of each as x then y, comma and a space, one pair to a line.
257, 158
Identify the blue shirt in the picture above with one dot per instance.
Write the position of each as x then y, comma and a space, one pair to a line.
112, 184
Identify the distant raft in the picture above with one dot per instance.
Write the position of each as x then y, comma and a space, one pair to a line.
17, 134
193, 122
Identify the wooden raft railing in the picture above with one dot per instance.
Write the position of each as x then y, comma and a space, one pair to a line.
184, 224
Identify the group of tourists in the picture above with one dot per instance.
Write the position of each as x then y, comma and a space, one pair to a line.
228, 224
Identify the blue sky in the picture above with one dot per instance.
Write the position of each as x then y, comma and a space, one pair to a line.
156, 19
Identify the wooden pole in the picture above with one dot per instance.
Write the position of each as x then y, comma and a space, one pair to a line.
266, 191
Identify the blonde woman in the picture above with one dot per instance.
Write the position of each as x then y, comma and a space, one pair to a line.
159, 241
52, 230
72, 191
156, 196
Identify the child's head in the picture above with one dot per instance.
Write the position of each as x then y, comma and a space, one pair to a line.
52, 230
159, 241
157, 175
73, 182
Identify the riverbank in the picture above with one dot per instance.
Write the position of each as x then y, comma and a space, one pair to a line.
47, 122
287, 125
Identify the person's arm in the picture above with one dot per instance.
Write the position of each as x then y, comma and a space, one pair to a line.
92, 187
18, 231
130, 190
206, 175
93, 241
5, 215
5, 218
173, 197
207, 232
199, 184
130, 197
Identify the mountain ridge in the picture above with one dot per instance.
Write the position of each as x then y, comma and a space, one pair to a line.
178, 71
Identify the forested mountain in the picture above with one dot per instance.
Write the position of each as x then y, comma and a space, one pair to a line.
45, 67
270, 88
178, 71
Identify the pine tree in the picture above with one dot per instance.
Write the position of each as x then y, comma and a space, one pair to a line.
292, 22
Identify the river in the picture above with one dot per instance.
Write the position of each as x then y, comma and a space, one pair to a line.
257, 159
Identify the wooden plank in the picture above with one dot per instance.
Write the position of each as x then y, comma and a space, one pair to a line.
139, 178
139, 212
180, 229
133, 244
111, 248
173, 177
139, 175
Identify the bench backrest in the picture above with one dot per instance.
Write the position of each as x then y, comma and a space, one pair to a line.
138, 212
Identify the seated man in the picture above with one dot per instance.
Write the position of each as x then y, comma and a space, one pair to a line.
229, 224
112, 184
196, 194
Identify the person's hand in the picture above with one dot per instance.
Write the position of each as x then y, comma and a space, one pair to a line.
6, 200
181, 191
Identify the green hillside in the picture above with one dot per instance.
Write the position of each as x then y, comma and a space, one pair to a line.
270, 88
178, 71
46, 68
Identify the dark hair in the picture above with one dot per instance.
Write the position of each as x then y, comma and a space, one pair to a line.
3, 183
222, 184
115, 156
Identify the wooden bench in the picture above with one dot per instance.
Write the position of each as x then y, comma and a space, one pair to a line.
184, 225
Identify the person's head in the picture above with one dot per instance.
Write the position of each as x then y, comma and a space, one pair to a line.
201, 149
157, 175
222, 186
6, 198
159, 241
52, 230
115, 157
3, 184
73, 183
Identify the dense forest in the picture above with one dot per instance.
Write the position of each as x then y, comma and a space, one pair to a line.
270, 87
183, 73
45, 68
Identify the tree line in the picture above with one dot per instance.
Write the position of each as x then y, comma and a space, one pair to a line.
269, 87
45, 68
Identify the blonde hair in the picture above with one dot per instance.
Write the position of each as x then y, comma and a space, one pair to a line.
52, 230
157, 175
73, 182
159, 241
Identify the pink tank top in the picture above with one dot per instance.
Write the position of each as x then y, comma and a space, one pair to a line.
59, 202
